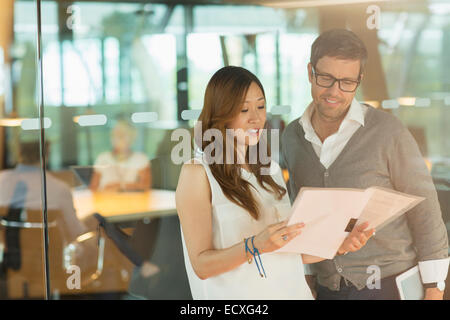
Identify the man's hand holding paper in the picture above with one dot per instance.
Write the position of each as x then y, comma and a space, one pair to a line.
357, 239
330, 215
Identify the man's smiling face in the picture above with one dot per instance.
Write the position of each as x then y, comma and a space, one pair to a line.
332, 104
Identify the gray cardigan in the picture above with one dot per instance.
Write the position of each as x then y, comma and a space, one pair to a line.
380, 153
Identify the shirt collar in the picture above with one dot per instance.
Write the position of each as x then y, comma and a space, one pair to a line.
355, 113
305, 122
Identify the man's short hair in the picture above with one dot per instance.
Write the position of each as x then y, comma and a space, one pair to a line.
341, 44
29, 152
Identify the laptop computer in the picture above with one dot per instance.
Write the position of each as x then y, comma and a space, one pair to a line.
83, 174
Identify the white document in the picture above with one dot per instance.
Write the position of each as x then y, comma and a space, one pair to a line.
384, 205
329, 212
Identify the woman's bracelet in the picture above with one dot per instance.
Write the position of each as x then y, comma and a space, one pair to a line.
255, 253
247, 250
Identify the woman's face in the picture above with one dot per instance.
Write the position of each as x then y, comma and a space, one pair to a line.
251, 119
122, 137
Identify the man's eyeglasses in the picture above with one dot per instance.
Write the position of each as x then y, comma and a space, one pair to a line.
327, 81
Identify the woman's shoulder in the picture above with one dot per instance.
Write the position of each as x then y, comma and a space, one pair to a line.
196, 160
193, 167
193, 177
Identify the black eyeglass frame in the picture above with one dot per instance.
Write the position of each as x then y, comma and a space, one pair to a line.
358, 82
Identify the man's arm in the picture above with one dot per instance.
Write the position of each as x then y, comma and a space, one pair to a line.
409, 174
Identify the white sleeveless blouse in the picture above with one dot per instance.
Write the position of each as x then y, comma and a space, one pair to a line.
230, 225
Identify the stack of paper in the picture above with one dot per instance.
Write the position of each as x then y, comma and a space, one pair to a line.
328, 213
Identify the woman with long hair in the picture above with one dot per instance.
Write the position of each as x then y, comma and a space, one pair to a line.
233, 208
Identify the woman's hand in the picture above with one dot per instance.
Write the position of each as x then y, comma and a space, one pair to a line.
356, 239
276, 236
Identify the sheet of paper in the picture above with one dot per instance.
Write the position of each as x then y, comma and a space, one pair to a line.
385, 205
326, 214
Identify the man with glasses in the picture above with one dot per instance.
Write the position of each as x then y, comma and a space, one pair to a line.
341, 143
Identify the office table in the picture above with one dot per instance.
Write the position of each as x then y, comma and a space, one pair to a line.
124, 206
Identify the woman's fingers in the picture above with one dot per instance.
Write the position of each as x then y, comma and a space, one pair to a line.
291, 235
294, 227
288, 233
281, 226
277, 226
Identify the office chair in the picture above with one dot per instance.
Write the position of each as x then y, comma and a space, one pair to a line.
23, 264
120, 239
137, 247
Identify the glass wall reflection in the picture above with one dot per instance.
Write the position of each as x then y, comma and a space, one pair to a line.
117, 77
21, 221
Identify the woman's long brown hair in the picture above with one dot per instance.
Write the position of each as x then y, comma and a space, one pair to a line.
224, 96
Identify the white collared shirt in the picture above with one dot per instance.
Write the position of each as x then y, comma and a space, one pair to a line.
431, 270
330, 149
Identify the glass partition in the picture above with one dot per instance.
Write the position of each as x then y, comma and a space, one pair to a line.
22, 247
118, 78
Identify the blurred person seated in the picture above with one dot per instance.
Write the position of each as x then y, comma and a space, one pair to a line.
21, 276
26, 176
121, 169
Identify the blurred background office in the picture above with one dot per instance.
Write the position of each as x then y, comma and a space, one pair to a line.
151, 60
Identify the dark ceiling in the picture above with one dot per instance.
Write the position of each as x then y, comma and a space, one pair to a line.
254, 2
394, 5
